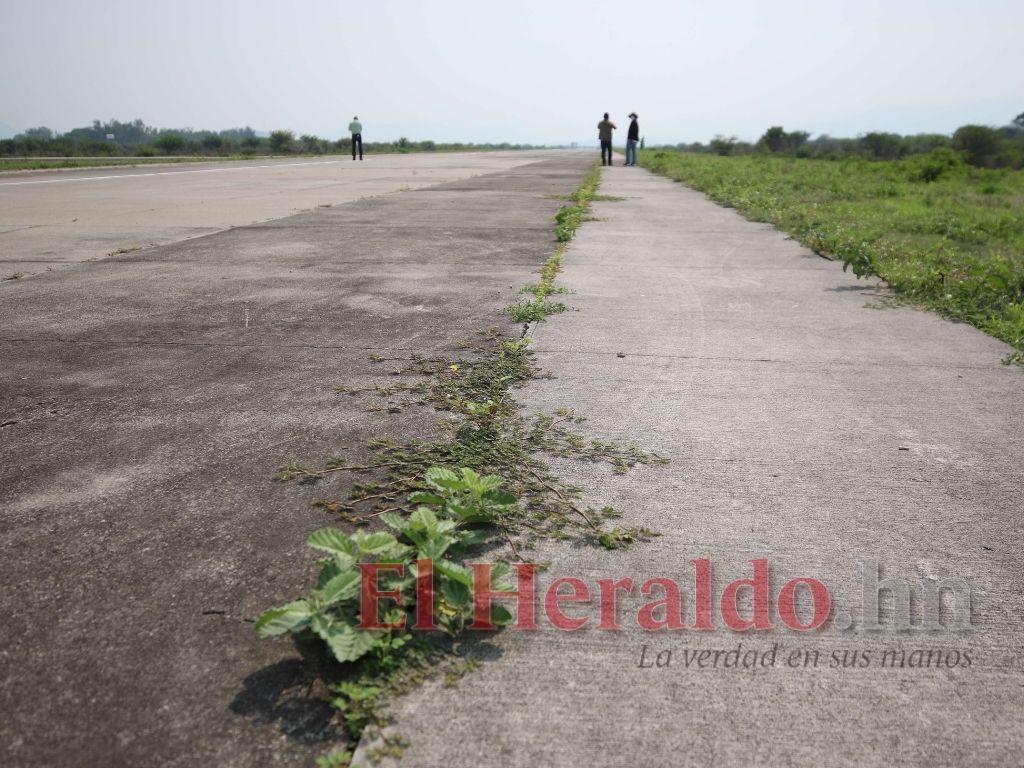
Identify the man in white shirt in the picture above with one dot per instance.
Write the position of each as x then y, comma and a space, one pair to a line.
356, 129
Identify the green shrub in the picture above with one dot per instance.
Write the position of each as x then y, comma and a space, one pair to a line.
99, 148
934, 165
722, 145
169, 143
979, 143
281, 141
883, 146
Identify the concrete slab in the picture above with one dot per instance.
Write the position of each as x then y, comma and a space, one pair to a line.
803, 427
146, 401
49, 219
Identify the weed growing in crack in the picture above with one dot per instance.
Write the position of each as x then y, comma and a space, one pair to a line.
567, 220
486, 432
537, 289
569, 217
479, 486
449, 521
595, 198
538, 308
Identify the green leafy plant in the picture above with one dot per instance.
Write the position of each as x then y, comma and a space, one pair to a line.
535, 310
437, 530
339, 758
568, 219
538, 308
619, 538
465, 496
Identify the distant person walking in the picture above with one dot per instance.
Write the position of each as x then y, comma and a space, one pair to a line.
604, 133
632, 139
356, 129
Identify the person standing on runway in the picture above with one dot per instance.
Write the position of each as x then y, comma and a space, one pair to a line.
356, 129
604, 133
632, 139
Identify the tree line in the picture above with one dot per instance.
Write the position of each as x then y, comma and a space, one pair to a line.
135, 138
980, 145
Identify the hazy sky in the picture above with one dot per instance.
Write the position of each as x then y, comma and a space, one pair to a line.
519, 71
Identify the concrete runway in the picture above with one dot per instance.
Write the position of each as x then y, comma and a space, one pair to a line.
50, 219
146, 401
803, 427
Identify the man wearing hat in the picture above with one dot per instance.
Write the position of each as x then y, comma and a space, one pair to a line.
632, 138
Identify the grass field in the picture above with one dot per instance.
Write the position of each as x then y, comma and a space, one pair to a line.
942, 234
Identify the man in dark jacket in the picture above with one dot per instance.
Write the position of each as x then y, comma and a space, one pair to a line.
604, 134
632, 139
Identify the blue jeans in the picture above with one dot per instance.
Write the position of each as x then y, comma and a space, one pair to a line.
631, 151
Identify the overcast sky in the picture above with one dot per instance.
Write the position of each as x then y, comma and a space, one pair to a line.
523, 71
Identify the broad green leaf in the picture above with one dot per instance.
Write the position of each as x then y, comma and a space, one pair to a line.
344, 586
392, 520
357, 691
435, 547
500, 615
489, 483
469, 513
455, 593
333, 566
374, 543
439, 477
347, 643
336, 758
470, 478
446, 526
473, 538
332, 540
288, 618
454, 571
416, 535
504, 498
499, 572
424, 517
422, 497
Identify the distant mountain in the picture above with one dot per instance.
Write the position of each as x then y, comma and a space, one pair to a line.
6, 132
